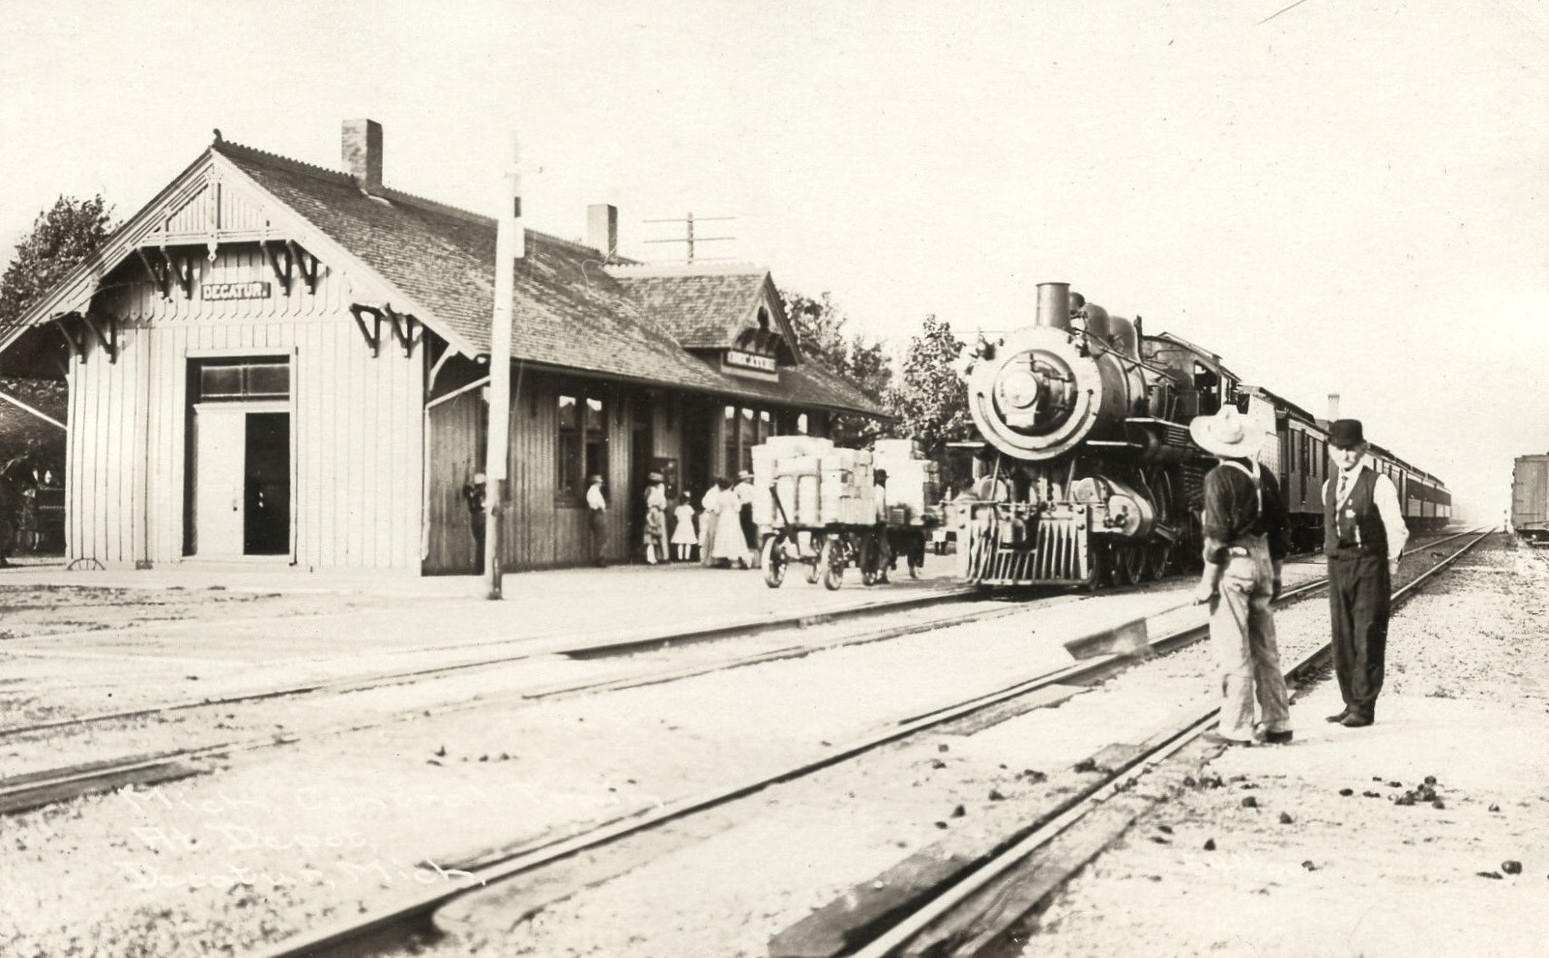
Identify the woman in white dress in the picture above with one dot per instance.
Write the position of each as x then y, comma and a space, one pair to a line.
729, 544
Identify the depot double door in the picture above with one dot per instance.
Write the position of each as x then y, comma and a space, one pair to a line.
240, 501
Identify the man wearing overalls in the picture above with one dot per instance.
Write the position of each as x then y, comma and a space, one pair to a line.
1247, 536
1364, 534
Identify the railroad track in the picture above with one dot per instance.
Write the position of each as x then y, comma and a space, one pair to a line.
37, 789
653, 832
971, 913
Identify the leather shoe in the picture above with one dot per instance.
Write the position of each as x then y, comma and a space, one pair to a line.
1355, 721
1338, 718
1278, 738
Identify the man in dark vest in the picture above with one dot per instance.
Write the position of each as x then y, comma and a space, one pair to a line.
1247, 536
1364, 535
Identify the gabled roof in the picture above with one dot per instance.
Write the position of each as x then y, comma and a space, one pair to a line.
437, 262
705, 305
568, 311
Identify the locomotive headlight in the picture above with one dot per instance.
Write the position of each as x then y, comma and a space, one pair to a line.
1019, 388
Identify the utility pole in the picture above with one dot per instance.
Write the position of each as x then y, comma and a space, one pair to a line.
690, 238
510, 246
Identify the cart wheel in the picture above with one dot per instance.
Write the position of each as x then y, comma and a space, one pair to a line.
831, 561
774, 561
815, 566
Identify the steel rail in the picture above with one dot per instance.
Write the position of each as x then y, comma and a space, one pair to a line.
417, 910
1168, 742
36, 789
603, 647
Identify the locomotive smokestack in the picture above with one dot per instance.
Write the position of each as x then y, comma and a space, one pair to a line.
1053, 305
1333, 406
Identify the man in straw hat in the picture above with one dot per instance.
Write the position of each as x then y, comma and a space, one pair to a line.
1247, 536
596, 520
655, 532
1363, 536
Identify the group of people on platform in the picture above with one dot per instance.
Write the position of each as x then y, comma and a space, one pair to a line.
722, 530
1246, 528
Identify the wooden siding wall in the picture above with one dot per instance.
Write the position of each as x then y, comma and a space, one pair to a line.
541, 530
455, 427
356, 463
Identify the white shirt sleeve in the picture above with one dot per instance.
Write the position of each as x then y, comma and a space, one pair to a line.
1386, 496
594, 498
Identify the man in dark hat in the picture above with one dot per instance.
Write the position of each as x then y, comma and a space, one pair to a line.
1363, 537
474, 492
1247, 535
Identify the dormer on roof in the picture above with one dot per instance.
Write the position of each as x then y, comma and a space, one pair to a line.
728, 313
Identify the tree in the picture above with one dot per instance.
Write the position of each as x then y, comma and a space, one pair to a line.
61, 237
824, 331
930, 398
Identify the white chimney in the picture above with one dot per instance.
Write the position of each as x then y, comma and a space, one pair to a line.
602, 229
1333, 406
361, 148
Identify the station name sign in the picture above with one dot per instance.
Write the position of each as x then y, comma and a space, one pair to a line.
215, 291
764, 364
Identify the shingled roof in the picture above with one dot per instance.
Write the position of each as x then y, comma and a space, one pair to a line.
569, 311
703, 309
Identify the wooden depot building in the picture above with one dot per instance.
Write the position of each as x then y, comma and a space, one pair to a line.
278, 363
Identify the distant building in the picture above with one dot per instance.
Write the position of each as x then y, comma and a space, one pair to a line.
275, 362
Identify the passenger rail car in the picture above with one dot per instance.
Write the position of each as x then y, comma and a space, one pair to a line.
1087, 473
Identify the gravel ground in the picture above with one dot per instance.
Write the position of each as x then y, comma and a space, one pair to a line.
325, 829
1356, 871
296, 836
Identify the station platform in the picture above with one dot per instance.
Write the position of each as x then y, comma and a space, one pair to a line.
338, 611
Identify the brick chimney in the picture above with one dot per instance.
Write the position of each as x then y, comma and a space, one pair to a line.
602, 229
361, 147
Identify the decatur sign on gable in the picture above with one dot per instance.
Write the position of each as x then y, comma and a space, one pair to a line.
255, 290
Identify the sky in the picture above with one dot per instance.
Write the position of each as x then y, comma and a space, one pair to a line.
1339, 197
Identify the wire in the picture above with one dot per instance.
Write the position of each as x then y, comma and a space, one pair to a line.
1279, 12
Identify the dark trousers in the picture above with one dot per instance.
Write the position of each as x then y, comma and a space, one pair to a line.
1360, 598
597, 528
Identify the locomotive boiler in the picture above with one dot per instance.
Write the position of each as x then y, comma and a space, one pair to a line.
1086, 472
1087, 464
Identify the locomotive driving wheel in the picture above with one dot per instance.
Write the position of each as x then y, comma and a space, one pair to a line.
1098, 562
1130, 566
1158, 554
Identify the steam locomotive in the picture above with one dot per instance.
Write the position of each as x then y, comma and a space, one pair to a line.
1086, 473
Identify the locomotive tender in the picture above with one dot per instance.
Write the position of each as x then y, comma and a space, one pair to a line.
1087, 473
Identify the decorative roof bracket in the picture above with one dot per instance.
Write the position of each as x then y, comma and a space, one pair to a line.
403, 329
373, 335
306, 263
107, 333
77, 346
281, 276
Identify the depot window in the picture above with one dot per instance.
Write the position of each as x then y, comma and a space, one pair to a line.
243, 380
582, 449
742, 429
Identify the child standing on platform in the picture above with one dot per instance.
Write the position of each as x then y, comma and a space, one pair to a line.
684, 537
